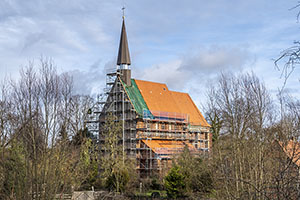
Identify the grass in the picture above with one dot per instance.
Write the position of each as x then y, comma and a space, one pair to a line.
148, 193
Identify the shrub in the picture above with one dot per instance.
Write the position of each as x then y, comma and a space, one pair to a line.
118, 180
174, 183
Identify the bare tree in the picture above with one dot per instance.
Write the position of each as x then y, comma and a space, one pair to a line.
289, 58
244, 107
257, 155
39, 115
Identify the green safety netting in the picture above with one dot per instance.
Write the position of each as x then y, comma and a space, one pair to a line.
137, 100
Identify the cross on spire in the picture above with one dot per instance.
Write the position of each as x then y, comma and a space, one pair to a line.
123, 10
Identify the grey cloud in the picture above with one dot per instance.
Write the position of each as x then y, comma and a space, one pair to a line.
215, 59
69, 34
165, 73
53, 24
201, 64
31, 39
92, 81
77, 32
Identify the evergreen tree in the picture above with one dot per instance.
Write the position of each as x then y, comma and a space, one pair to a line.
175, 183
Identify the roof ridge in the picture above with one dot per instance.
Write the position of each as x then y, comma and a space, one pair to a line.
178, 92
152, 82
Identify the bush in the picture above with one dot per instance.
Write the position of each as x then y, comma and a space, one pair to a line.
155, 184
13, 172
118, 180
175, 183
196, 172
202, 182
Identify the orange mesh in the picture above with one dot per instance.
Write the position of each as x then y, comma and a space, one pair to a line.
167, 147
184, 117
159, 98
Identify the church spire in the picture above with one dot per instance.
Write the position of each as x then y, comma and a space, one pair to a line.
123, 55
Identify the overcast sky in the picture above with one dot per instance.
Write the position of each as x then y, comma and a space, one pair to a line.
185, 44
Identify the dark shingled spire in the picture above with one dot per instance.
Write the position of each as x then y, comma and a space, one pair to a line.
123, 56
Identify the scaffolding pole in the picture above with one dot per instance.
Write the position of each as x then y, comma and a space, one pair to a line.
123, 132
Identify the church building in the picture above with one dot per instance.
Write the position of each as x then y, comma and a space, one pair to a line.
157, 123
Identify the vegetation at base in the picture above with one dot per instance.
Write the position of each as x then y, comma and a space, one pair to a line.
175, 183
13, 171
189, 176
198, 177
118, 170
45, 147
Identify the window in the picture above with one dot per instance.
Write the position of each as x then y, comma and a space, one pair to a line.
153, 126
178, 127
201, 144
163, 126
172, 127
206, 144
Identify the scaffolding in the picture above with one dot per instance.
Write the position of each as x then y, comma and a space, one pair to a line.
94, 112
92, 117
173, 132
118, 104
142, 128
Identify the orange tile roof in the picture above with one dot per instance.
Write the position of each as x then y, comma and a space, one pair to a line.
188, 106
167, 147
292, 150
159, 98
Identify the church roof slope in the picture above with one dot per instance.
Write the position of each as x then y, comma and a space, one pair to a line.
158, 97
186, 105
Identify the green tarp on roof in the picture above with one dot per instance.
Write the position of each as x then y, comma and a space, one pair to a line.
137, 100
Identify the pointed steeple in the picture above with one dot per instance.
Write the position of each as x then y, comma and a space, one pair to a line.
123, 56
